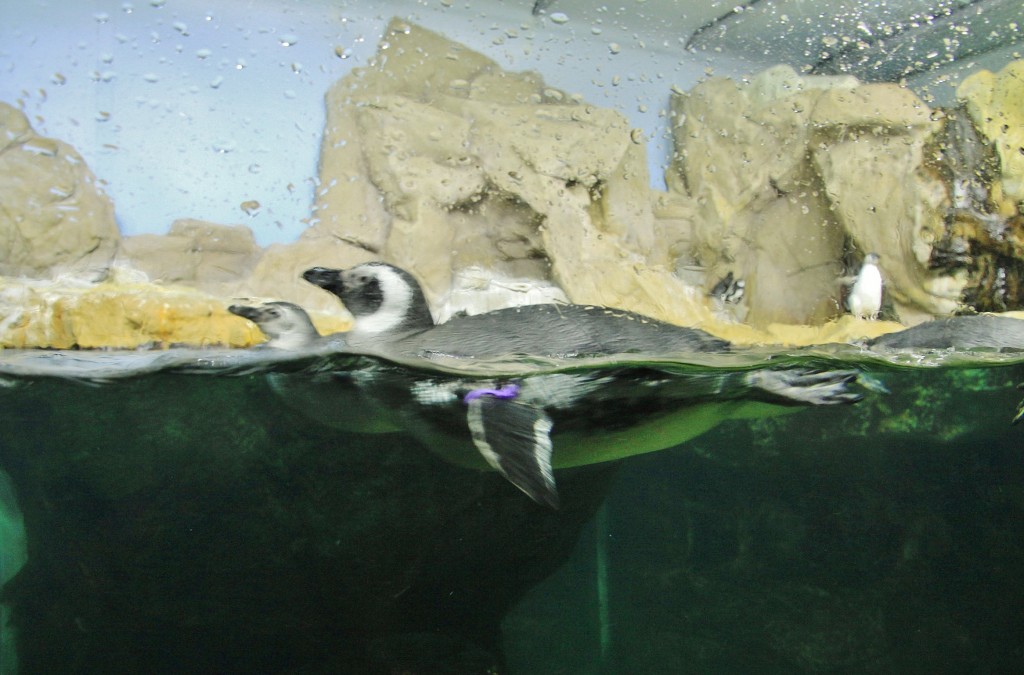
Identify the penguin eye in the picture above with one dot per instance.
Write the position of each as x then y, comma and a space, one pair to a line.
274, 313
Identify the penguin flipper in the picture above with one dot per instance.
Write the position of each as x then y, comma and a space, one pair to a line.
515, 439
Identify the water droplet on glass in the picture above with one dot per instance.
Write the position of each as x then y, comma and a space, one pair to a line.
240, 64
107, 75
58, 78
223, 146
180, 27
127, 7
595, 30
216, 82
251, 207
255, 168
615, 48
290, 93
151, 77
296, 67
342, 52
102, 116
107, 57
559, 17
204, 53
101, 17
288, 39
157, 3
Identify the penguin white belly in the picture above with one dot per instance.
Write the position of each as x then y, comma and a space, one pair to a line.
866, 295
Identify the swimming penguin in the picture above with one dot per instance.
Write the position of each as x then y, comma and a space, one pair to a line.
286, 325
384, 300
595, 414
865, 299
387, 304
982, 331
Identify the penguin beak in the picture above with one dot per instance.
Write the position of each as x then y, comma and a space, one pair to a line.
251, 313
324, 277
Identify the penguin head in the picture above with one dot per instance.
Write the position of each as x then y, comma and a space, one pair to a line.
286, 325
871, 259
381, 298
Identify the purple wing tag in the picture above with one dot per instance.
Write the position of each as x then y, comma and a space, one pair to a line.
507, 392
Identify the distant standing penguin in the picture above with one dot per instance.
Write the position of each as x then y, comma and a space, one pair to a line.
865, 299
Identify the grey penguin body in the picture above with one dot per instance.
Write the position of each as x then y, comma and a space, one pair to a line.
389, 307
958, 332
510, 422
558, 331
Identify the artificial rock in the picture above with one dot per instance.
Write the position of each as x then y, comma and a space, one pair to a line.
437, 160
55, 218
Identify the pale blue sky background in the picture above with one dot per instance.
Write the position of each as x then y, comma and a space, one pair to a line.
188, 108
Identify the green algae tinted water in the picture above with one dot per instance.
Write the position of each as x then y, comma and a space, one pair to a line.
179, 517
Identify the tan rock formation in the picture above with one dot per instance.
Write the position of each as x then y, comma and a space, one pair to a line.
996, 102
54, 218
210, 257
437, 160
889, 204
125, 311
741, 154
495, 189
791, 174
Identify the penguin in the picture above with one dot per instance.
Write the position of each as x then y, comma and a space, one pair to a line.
388, 306
982, 331
510, 421
865, 299
728, 289
383, 299
286, 325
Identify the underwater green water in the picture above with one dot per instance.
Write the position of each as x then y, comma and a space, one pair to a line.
181, 517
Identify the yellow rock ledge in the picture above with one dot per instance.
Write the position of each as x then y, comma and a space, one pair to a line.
122, 314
